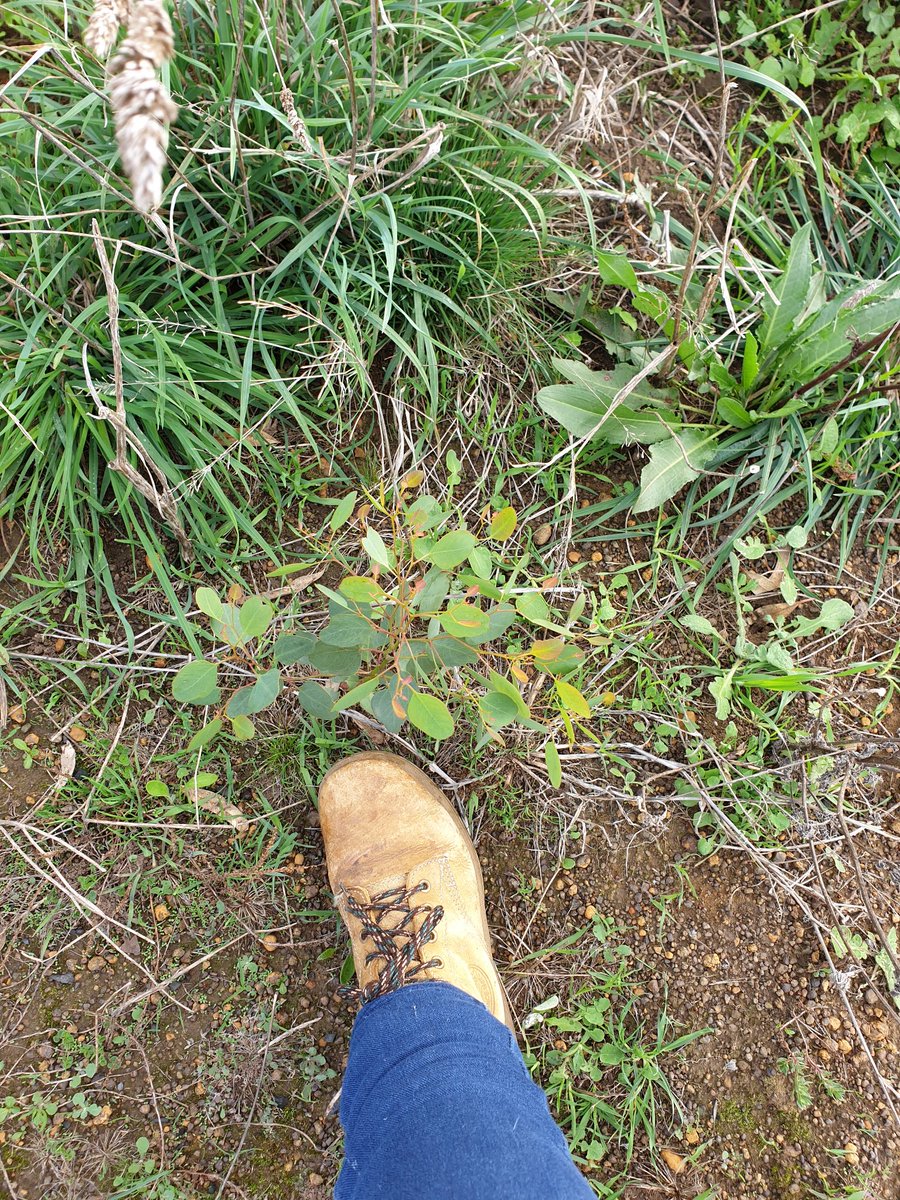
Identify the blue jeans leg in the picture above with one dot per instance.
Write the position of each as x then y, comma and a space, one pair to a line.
437, 1104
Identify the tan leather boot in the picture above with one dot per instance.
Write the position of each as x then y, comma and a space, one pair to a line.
407, 881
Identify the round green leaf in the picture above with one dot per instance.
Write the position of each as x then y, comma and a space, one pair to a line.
503, 524
481, 562
572, 699
362, 589
835, 613
464, 620
497, 710
382, 707
317, 700
450, 550
256, 617
243, 728
208, 602
292, 648
430, 715
253, 699
195, 683
556, 656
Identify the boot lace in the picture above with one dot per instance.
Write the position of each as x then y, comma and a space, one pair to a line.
400, 944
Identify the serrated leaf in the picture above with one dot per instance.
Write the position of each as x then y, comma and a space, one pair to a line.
752, 548
722, 691
451, 549
252, 699
196, 683
733, 411
430, 714
673, 464
790, 289
572, 698
885, 962
789, 590
553, 764
503, 524
832, 334
834, 614
256, 617
209, 602
464, 620
343, 512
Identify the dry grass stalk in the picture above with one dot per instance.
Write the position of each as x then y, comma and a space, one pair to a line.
103, 27
143, 108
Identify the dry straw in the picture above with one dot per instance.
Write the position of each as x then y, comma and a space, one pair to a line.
141, 105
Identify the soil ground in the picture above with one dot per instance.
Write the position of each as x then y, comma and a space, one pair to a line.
192, 1002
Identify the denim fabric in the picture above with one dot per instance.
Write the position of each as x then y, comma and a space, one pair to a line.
437, 1104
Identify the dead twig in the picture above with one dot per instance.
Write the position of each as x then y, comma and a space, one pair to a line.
153, 485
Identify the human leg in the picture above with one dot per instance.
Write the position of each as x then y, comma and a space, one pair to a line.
437, 1100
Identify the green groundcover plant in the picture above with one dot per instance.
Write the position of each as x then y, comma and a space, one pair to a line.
422, 633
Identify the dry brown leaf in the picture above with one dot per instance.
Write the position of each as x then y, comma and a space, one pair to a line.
763, 584
66, 765
297, 584
375, 735
778, 610
673, 1161
131, 947
212, 802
